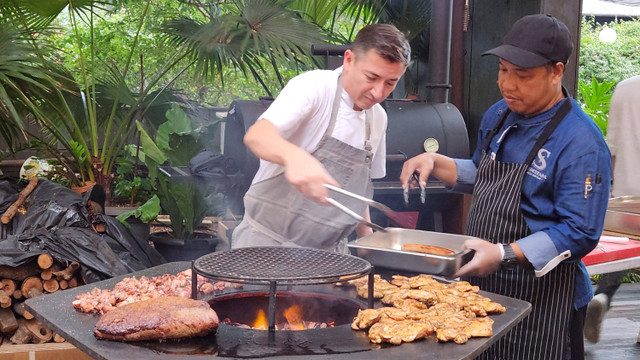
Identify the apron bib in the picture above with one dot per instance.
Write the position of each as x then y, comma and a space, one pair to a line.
277, 214
495, 215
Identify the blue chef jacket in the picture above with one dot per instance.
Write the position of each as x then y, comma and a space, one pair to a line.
565, 190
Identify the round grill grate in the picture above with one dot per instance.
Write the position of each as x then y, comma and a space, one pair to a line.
300, 266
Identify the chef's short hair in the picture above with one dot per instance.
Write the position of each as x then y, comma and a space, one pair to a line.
386, 40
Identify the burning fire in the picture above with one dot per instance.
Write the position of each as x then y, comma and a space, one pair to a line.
295, 321
261, 322
293, 314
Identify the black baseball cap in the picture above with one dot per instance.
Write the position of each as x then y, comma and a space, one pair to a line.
535, 40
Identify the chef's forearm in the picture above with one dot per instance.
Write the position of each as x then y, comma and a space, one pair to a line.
263, 139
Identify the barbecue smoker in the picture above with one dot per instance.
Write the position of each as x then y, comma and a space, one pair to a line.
410, 124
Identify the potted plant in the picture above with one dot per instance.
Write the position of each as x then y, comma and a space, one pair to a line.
84, 123
186, 200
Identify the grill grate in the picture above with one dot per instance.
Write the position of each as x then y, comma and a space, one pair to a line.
264, 265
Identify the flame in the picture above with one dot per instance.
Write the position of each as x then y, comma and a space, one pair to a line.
293, 314
261, 322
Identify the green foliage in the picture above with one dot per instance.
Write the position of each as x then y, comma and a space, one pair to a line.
609, 62
595, 99
147, 213
176, 142
602, 65
126, 180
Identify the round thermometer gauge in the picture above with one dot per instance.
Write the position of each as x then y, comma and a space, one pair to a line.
431, 145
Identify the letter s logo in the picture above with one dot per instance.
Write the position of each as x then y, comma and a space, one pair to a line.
541, 162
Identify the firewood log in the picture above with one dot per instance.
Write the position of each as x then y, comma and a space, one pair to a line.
8, 322
5, 299
73, 282
63, 284
45, 261
19, 309
17, 294
22, 335
51, 285
31, 287
21, 272
47, 274
39, 332
22, 196
67, 273
8, 286
58, 339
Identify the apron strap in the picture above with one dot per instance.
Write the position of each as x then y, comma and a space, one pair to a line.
495, 129
334, 115
553, 124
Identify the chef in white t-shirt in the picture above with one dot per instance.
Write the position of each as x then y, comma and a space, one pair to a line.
325, 127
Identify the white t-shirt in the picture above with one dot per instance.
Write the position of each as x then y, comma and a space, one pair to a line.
302, 111
623, 136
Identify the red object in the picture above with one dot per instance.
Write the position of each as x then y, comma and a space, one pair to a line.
404, 219
613, 251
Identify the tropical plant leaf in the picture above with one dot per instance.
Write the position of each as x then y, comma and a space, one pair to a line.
146, 212
596, 98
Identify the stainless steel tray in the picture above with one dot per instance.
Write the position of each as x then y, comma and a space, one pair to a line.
383, 249
628, 204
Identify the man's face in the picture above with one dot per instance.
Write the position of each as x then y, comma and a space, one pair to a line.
368, 78
530, 91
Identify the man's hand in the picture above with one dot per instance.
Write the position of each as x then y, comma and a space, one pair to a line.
302, 170
308, 175
425, 164
485, 261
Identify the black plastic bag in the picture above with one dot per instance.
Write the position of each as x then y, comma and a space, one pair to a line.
212, 165
57, 221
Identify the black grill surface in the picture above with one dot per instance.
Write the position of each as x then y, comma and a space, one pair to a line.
286, 265
55, 311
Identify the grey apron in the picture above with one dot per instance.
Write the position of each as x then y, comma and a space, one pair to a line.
277, 214
495, 215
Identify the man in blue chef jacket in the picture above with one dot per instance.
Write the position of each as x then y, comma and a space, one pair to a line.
540, 177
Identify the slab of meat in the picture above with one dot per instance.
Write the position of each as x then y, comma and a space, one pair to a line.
169, 317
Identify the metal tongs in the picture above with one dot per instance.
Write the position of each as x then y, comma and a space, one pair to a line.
382, 207
423, 190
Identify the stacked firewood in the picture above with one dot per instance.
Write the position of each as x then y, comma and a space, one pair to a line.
28, 280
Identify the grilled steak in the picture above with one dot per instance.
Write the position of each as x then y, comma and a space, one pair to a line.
169, 317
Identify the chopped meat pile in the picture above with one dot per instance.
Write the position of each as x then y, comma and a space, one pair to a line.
422, 306
168, 317
131, 290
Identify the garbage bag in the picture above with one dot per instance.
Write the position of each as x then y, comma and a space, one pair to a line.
56, 221
209, 164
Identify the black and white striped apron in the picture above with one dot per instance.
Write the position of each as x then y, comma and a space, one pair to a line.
495, 215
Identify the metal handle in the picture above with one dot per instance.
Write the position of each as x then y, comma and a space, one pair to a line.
382, 207
350, 212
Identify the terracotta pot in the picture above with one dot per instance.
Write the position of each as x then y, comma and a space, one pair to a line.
82, 189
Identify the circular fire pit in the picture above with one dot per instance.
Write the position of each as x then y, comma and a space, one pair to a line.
294, 311
274, 266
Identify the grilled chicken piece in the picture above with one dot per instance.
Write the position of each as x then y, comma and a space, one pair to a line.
409, 305
396, 332
161, 318
460, 331
365, 318
379, 287
368, 317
